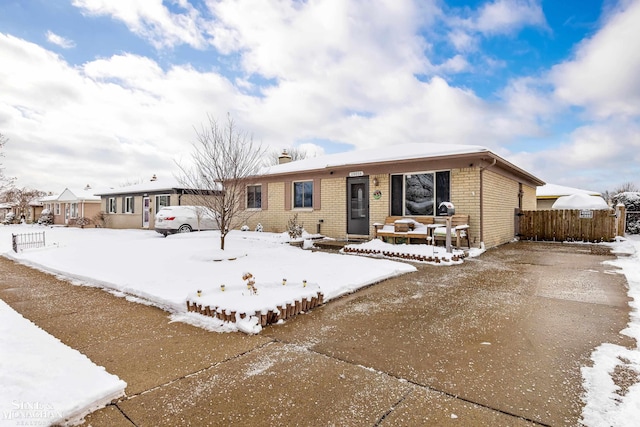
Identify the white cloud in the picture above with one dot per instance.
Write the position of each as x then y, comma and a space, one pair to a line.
598, 156
506, 16
340, 71
152, 20
59, 40
603, 75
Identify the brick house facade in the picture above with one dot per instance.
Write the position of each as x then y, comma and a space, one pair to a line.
343, 195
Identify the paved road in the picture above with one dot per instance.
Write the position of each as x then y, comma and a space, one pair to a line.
496, 341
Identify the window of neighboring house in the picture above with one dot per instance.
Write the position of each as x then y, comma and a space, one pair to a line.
74, 210
162, 201
421, 193
111, 205
254, 196
128, 204
57, 208
303, 194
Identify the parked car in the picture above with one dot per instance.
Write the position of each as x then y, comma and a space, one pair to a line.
184, 219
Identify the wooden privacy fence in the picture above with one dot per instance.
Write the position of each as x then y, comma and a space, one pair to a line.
568, 225
27, 241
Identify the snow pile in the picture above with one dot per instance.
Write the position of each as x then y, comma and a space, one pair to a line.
580, 201
45, 382
612, 384
379, 249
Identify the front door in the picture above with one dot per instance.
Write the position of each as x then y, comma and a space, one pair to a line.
146, 212
358, 205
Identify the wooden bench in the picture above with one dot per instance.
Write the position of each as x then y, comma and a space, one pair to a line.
459, 229
415, 227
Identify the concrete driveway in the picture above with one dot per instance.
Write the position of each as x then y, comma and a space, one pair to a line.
498, 340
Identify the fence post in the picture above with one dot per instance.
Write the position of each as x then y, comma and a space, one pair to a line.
14, 242
621, 219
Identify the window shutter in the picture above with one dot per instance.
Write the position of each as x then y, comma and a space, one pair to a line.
133, 204
287, 195
316, 194
264, 197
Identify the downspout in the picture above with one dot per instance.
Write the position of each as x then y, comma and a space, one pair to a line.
482, 169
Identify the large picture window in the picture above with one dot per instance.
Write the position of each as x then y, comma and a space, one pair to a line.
419, 193
303, 194
254, 197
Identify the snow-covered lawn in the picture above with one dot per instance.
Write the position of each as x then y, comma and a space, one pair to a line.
45, 382
144, 266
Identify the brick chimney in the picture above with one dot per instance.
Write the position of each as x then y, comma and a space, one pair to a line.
284, 157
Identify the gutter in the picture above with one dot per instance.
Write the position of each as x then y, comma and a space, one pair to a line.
482, 169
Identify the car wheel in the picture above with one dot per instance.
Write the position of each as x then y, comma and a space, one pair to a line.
185, 228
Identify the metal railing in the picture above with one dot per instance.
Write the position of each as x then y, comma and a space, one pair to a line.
27, 241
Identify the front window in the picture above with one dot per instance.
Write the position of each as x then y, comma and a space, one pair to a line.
128, 204
162, 201
74, 210
303, 194
111, 205
254, 197
57, 208
419, 193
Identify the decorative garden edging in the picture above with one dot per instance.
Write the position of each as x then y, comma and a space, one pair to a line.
282, 312
410, 257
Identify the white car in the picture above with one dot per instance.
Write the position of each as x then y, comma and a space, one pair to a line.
184, 219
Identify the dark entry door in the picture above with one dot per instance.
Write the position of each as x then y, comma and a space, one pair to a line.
358, 205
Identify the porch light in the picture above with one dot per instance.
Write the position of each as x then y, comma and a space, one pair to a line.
375, 181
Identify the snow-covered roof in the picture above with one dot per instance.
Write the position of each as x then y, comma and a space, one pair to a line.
390, 154
6, 205
375, 155
76, 195
52, 198
580, 201
553, 191
158, 184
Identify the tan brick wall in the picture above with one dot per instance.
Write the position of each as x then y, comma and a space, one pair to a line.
529, 200
465, 196
379, 209
500, 200
500, 196
332, 212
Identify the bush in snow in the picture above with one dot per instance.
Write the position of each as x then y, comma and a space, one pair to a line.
294, 228
244, 228
631, 201
259, 228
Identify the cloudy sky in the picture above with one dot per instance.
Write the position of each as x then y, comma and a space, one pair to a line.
105, 92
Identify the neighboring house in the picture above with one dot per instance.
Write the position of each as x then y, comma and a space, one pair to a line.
71, 204
35, 209
135, 206
5, 208
342, 195
547, 194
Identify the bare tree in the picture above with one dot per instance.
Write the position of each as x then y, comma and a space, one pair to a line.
21, 198
295, 153
5, 182
622, 188
225, 161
